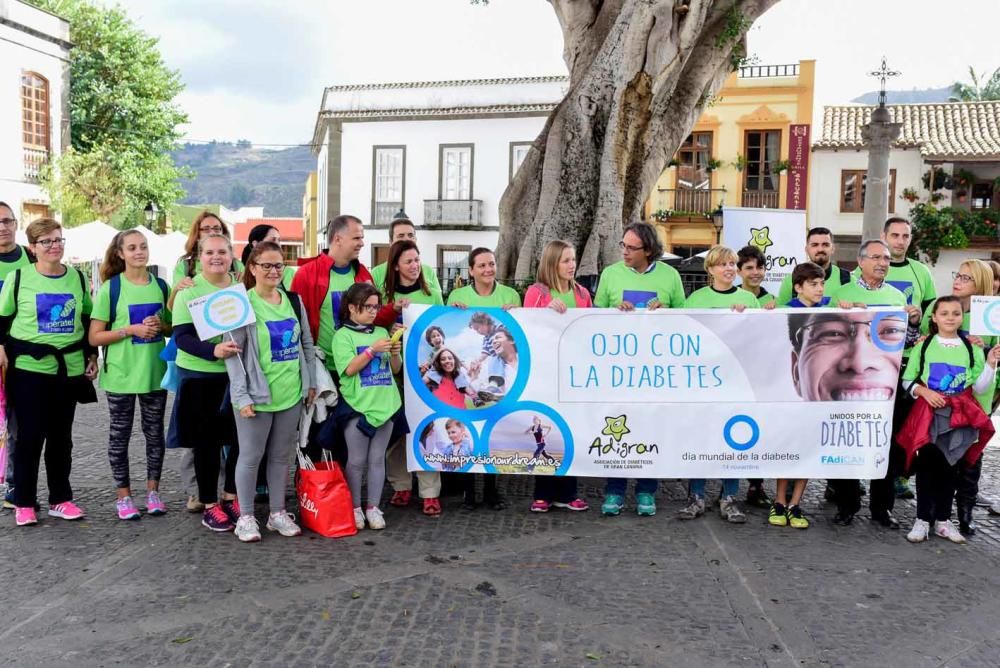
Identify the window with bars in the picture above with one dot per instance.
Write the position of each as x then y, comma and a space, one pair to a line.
35, 110
982, 196
456, 171
388, 182
852, 190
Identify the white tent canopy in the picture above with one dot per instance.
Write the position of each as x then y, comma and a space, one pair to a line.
88, 242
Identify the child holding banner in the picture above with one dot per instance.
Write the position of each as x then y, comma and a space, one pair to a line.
720, 264
369, 414
130, 320
941, 371
270, 380
558, 290
204, 420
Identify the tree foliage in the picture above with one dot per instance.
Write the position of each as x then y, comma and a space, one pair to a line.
123, 119
977, 90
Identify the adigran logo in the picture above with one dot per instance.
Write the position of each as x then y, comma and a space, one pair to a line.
616, 446
841, 460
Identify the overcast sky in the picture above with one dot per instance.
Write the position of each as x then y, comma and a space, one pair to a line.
256, 70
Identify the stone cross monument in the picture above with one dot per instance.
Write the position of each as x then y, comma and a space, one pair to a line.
878, 136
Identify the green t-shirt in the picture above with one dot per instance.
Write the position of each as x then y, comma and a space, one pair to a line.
419, 297
925, 325
502, 295
764, 298
287, 274
278, 335
372, 391
886, 295
709, 297
49, 310
568, 298
947, 369
132, 365
329, 314
619, 283
831, 284
180, 270
182, 316
11, 261
912, 278
430, 276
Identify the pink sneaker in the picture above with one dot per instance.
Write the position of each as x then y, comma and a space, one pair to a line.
575, 504
126, 509
25, 517
539, 506
154, 505
67, 510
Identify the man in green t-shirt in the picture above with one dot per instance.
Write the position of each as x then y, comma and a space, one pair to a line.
402, 229
751, 264
12, 256
820, 250
907, 275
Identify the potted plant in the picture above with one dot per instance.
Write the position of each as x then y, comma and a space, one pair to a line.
712, 165
941, 180
661, 215
936, 197
963, 178
739, 163
910, 195
782, 166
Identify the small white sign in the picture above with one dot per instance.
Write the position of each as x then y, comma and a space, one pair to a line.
984, 318
221, 311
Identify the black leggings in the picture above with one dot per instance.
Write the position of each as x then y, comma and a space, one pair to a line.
122, 410
936, 481
205, 422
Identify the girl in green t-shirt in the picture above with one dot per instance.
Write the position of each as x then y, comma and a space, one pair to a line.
269, 381
405, 284
50, 308
132, 338
203, 424
369, 408
188, 266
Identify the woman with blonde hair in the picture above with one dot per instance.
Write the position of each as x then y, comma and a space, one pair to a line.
189, 265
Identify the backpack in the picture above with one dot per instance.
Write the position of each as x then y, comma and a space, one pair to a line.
295, 301
115, 283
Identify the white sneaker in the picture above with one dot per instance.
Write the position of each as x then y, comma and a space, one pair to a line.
729, 509
247, 529
375, 519
283, 523
918, 533
947, 529
359, 518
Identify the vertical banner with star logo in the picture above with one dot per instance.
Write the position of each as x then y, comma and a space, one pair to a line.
780, 234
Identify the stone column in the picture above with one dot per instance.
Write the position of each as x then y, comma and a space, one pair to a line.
878, 136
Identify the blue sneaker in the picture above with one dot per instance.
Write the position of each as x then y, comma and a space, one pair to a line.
645, 504
613, 504
8, 499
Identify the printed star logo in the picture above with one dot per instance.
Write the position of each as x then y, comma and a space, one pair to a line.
761, 238
615, 428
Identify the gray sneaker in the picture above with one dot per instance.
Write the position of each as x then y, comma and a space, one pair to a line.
730, 511
247, 529
284, 523
694, 508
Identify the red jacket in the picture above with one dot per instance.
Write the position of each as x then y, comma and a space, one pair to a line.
312, 283
965, 412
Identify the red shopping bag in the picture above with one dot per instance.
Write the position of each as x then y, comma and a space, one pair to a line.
325, 501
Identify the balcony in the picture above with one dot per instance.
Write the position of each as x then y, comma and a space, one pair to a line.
688, 200
768, 71
463, 212
34, 160
384, 212
760, 199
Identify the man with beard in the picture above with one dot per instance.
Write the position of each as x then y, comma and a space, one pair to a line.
820, 250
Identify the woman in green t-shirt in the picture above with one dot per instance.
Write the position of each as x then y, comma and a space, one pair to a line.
132, 338
188, 266
264, 232
404, 285
269, 381
44, 309
203, 423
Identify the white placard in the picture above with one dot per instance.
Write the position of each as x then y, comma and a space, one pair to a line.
221, 312
984, 318
780, 234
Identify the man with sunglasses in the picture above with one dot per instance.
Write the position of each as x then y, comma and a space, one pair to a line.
872, 289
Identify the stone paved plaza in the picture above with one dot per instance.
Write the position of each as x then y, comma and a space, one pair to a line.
488, 588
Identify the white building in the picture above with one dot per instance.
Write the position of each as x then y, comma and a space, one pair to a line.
442, 151
950, 138
34, 119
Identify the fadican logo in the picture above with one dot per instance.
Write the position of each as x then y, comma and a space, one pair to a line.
616, 428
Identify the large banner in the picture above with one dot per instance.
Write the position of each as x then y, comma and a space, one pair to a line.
780, 234
663, 394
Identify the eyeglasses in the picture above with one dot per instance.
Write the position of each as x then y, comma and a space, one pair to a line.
962, 278
214, 229
838, 332
46, 243
371, 308
877, 258
630, 249
271, 266
8, 222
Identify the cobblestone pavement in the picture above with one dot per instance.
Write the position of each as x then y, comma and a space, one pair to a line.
488, 588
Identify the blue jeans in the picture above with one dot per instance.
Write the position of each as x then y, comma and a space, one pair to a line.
642, 486
730, 487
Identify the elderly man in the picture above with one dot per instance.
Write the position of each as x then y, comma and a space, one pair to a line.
820, 250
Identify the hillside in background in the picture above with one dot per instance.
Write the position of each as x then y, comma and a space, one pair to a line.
236, 175
922, 96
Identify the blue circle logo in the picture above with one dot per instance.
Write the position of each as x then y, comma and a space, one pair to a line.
234, 321
741, 419
528, 409
427, 440
877, 340
988, 318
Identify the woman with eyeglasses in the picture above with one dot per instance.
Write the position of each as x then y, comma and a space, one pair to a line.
189, 265
44, 314
269, 381
269, 233
204, 422
130, 320
12, 255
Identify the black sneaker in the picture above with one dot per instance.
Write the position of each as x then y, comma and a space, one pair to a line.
843, 519
886, 520
757, 497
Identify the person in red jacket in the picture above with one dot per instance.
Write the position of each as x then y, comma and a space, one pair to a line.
321, 282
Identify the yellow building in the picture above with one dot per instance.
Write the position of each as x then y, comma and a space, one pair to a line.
311, 227
750, 149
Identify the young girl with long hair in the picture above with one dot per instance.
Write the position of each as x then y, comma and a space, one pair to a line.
270, 233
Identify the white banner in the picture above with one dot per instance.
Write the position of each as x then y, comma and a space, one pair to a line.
780, 234
221, 312
796, 393
984, 316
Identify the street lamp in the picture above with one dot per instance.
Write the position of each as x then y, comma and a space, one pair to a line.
717, 223
152, 214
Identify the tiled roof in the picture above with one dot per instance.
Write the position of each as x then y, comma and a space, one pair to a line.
496, 109
944, 131
446, 84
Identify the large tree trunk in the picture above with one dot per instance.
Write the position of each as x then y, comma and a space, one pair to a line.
641, 72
